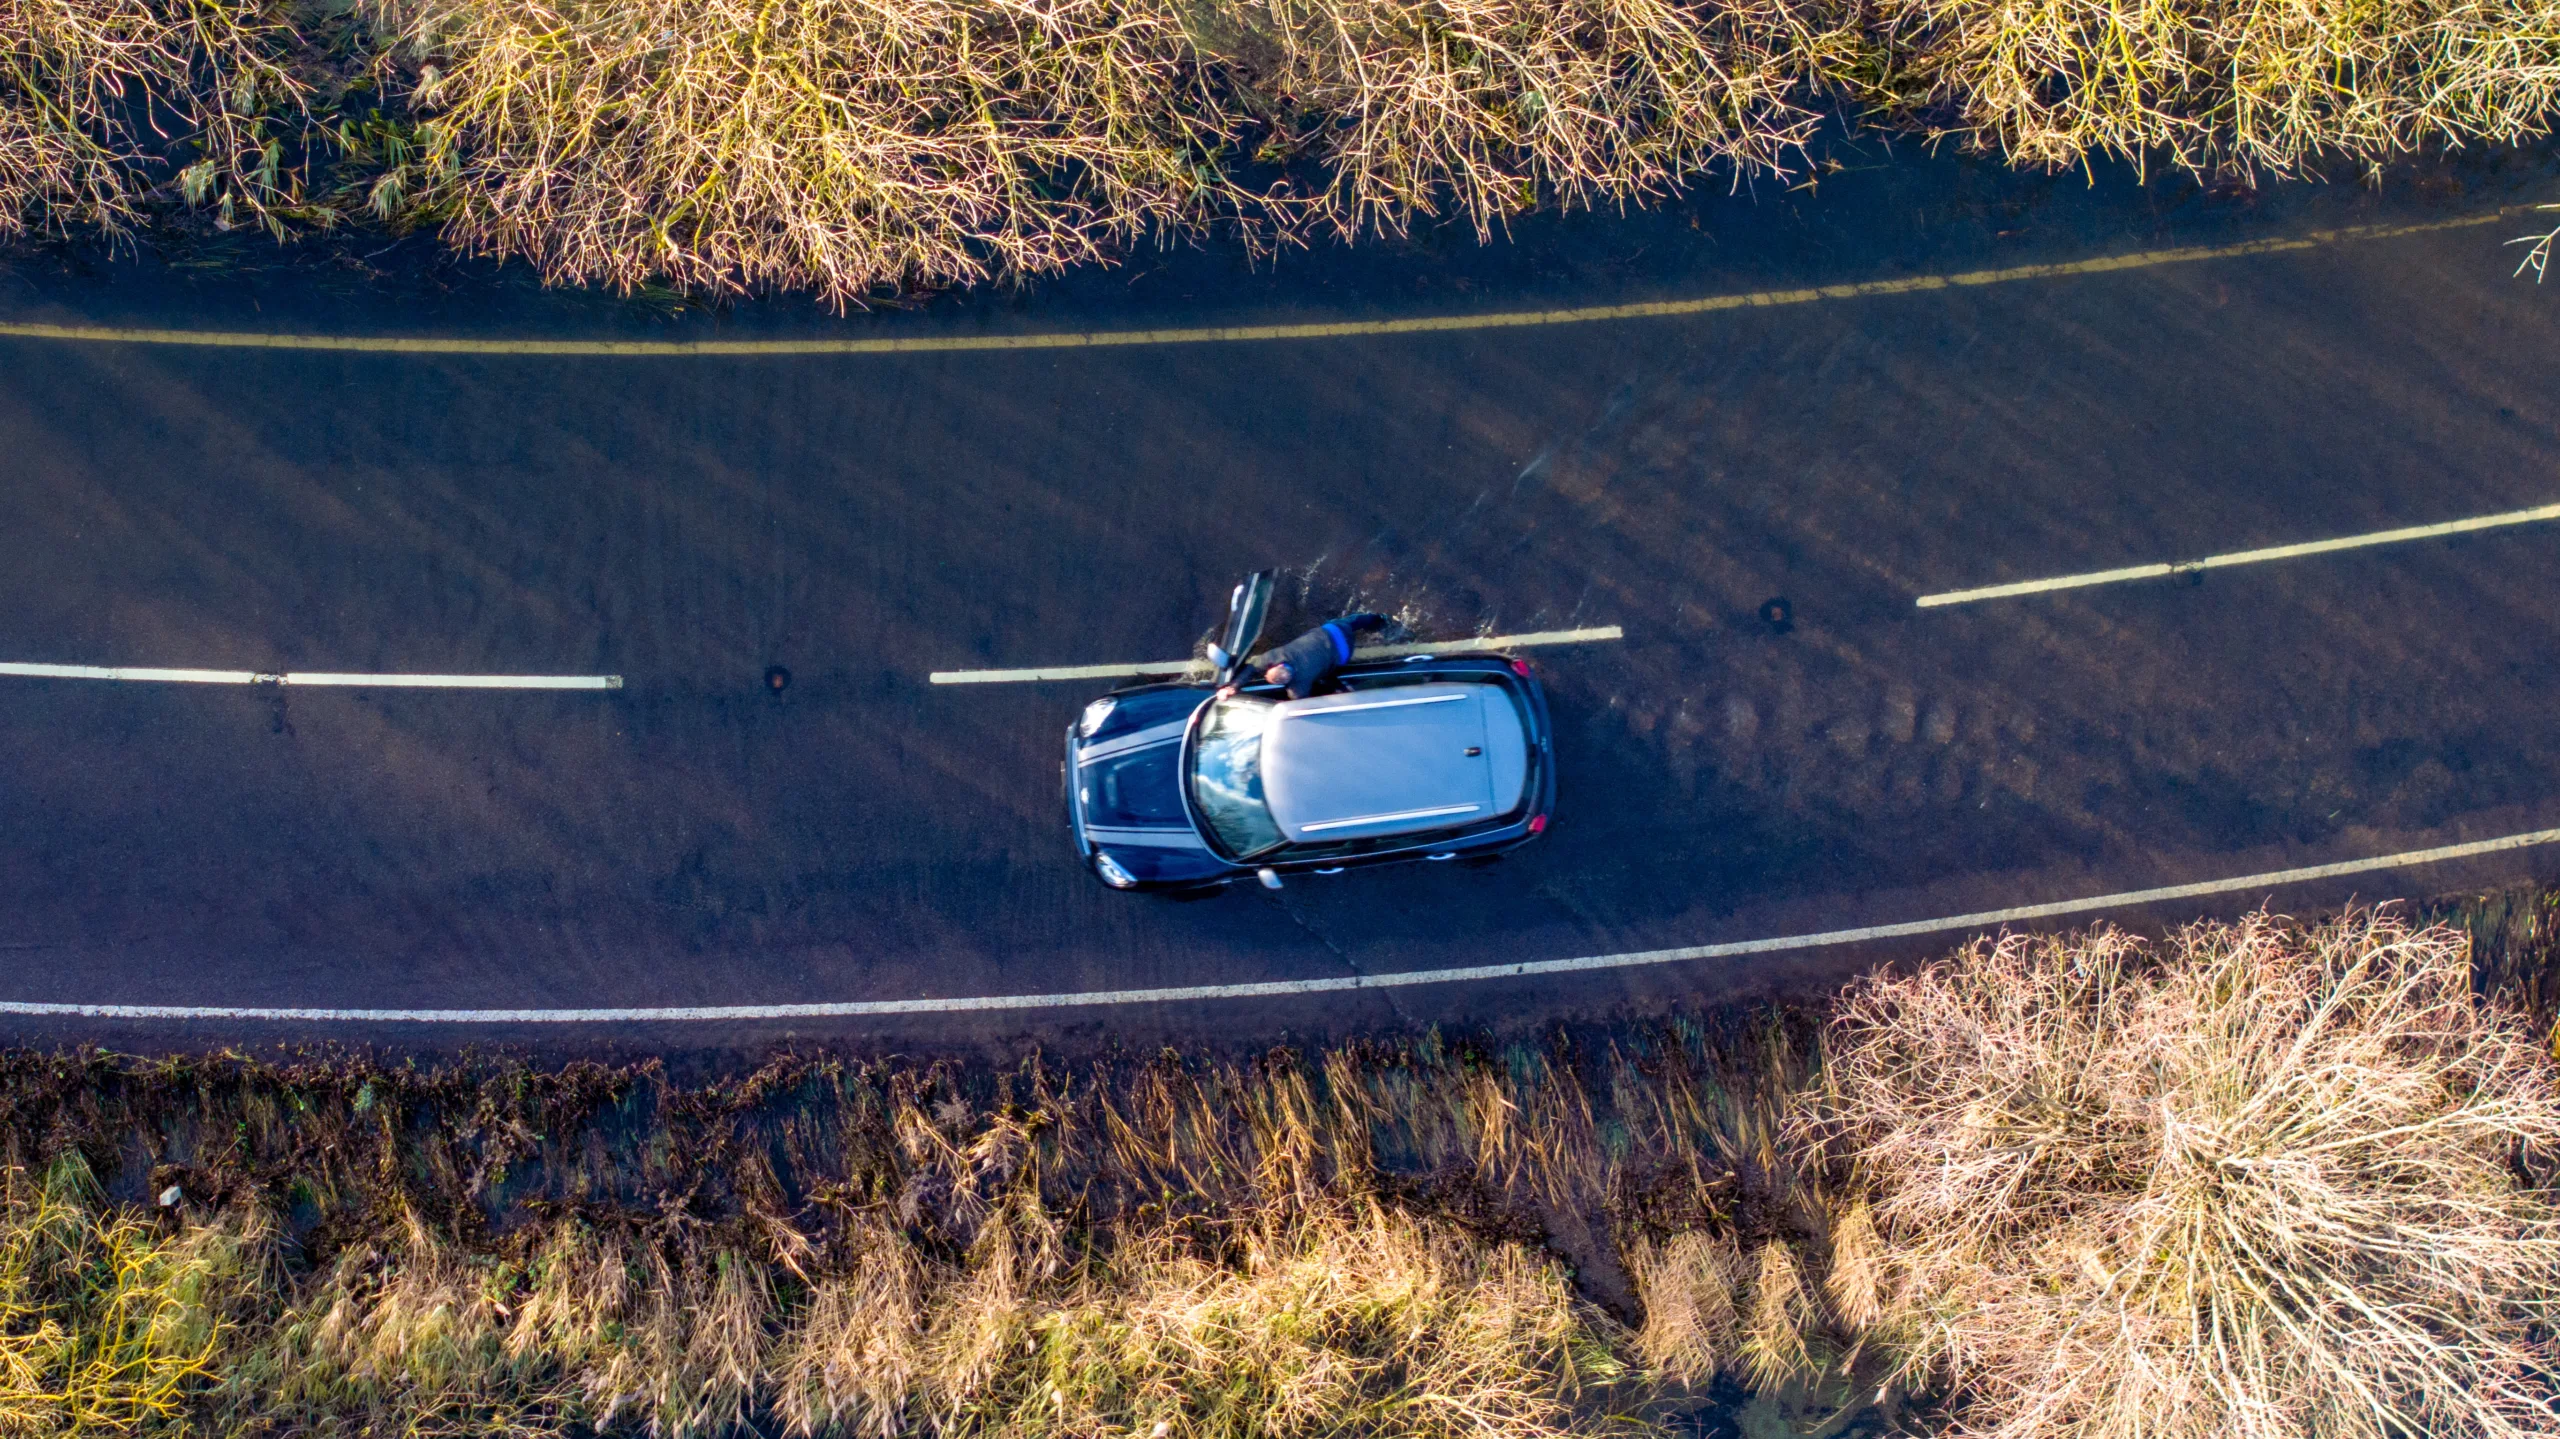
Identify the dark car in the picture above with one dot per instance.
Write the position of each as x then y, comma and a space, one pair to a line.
1417, 757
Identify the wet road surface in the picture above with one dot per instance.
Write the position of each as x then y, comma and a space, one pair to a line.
698, 839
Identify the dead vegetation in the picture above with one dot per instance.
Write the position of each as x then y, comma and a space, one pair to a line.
1368, 1241
848, 145
2262, 1182
2223, 86
857, 147
838, 145
2257, 1180
90, 89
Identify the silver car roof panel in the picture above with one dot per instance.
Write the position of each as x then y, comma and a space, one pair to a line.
1372, 764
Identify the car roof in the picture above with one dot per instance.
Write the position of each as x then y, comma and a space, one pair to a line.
1397, 760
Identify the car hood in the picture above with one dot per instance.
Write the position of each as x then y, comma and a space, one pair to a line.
1132, 785
1393, 761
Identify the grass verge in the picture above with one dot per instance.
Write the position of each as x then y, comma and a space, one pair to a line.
859, 147
2259, 1182
2258, 1179
92, 92
1377, 1239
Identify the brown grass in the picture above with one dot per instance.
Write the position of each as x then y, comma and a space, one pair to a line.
1342, 1317
1687, 1284
2223, 84
857, 147
2259, 1180
1485, 108
840, 145
1365, 1241
89, 87
2265, 1182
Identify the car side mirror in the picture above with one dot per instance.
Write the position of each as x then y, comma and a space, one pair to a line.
1219, 659
1270, 877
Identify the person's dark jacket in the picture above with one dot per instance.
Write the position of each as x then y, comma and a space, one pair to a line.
1311, 657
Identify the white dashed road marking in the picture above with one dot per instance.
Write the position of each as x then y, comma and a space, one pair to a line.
2243, 557
1295, 988
1177, 667
316, 681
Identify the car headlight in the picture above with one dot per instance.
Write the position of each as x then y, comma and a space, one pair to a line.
1111, 872
1094, 715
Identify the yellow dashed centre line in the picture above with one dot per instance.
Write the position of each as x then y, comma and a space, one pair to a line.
1229, 334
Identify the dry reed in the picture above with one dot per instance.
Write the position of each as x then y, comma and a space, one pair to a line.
2221, 85
1687, 1284
851, 147
89, 88
2266, 1182
840, 145
1486, 108
2053, 1175
1364, 1241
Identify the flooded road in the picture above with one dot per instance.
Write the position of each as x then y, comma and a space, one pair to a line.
700, 839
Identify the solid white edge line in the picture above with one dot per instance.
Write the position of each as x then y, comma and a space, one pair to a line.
1291, 988
2244, 557
310, 681
1171, 667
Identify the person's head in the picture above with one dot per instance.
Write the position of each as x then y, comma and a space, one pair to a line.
1278, 674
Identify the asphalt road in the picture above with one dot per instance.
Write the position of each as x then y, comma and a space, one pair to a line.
696, 839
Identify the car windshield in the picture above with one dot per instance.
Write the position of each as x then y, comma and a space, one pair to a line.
1226, 776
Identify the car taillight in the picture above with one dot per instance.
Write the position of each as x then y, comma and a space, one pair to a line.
1537, 824
1520, 668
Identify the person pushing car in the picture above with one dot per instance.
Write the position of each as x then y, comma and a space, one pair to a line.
1305, 663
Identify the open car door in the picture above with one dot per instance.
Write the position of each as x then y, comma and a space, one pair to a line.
1245, 610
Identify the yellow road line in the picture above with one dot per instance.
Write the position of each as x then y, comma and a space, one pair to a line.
1229, 334
1176, 667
